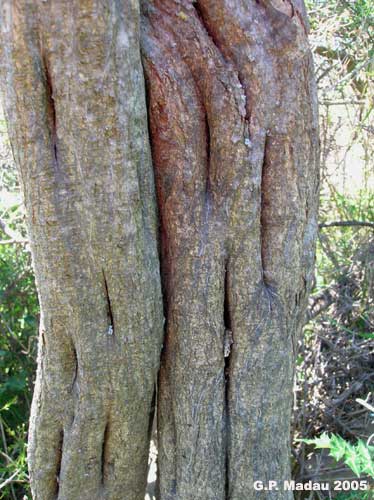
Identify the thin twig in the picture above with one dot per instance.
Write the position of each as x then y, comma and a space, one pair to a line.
9, 480
341, 103
346, 223
8, 231
3, 437
21, 241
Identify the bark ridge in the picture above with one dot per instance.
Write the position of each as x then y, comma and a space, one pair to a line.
232, 111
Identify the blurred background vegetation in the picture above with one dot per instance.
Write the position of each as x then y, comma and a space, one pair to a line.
335, 364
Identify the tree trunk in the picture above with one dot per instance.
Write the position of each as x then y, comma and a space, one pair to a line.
233, 123
74, 95
234, 136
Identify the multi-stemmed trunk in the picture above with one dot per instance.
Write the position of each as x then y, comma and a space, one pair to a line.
233, 132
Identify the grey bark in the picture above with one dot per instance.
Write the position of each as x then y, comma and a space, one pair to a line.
234, 137
74, 96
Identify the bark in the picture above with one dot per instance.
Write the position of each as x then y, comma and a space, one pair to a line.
74, 95
234, 136
233, 128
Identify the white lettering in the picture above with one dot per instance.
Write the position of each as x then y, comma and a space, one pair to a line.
289, 485
258, 485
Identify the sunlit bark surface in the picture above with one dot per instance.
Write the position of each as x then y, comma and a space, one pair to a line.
232, 117
233, 123
75, 100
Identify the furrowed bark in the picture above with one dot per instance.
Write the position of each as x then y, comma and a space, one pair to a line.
232, 114
74, 96
234, 137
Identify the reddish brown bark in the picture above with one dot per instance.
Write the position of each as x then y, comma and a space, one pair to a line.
234, 140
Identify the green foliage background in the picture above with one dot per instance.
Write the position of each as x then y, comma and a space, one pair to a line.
18, 328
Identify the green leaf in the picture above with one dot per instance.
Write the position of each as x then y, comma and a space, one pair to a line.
338, 447
8, 404
365, 453
323, 441
353, 463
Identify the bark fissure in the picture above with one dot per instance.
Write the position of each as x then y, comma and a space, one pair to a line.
234, 142
227, 353
75, 370
111, 328
264, 195
232, 61
152, 412
59, 460
104, 453
228, 61
208, 30
51, 109
300, 16
75, 103
226, 305
208, 158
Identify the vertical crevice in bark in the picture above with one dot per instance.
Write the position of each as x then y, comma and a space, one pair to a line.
296, 12
209, 31
264, 195
246, 93
50, 109
104, 453
75, 375
225, 67
152, 413
111, 330
270, 288
228, 342
226, 305
59, 461
292, 7
74, 94
208, 160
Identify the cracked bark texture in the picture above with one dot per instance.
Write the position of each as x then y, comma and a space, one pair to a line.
233, 126
75, 101
234, 135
